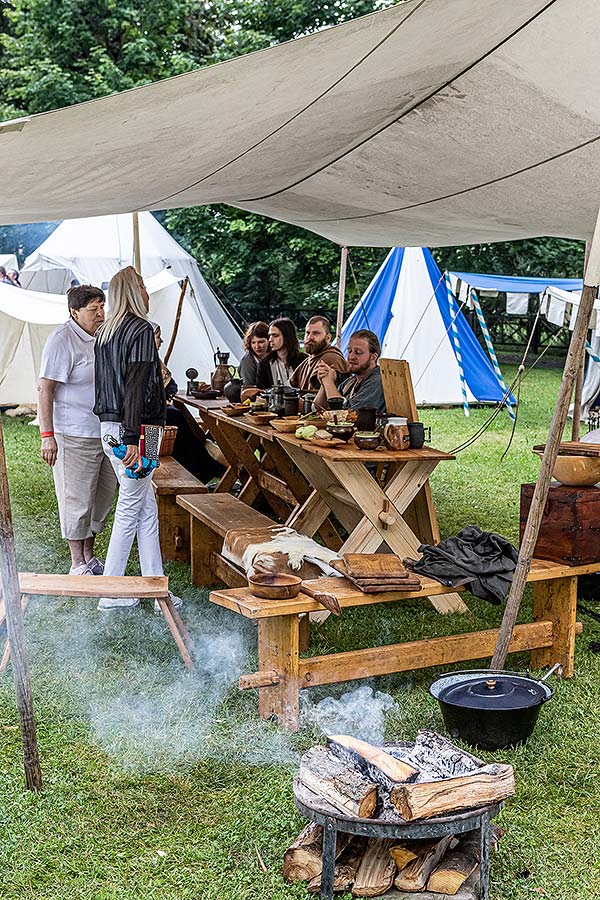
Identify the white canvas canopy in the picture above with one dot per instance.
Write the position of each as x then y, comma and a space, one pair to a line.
432, 122
9, 261
27, 318
93, 250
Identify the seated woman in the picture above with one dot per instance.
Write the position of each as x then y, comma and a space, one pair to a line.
190, 443
256, 345
284, 357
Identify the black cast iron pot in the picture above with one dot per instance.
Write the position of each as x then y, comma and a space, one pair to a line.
489, 708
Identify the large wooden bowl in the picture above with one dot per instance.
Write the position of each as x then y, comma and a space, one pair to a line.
286, 425
576, 471
274, 587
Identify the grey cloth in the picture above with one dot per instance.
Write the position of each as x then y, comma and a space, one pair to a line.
367, 393
249, 369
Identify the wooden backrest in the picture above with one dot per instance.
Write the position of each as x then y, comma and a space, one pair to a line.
398, 388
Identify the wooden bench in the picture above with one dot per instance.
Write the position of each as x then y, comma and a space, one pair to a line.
211, 516
282, 673
170, 479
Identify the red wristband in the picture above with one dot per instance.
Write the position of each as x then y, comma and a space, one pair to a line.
46, 434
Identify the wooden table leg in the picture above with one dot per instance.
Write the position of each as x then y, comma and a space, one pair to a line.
278, 647
556, 601
202, 542
168, 610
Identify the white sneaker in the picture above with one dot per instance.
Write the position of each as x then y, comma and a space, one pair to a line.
176, 601
79, 570
118, 603
95, 566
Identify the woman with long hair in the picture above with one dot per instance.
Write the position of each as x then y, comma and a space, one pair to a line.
284, 356
130, 403
256, 345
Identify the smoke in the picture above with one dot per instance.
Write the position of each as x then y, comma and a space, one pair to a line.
360, 713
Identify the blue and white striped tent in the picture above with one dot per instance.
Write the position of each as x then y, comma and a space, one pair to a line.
410, 308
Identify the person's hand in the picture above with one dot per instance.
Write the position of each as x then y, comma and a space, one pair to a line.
133, 458
325, 373
49, 450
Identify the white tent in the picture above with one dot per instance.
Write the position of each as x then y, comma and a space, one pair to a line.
9, 261
93, 250
433, 122
27, 318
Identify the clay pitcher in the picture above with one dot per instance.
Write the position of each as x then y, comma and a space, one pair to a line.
223, 372
233, 390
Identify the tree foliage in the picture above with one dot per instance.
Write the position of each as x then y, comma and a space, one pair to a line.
55, 53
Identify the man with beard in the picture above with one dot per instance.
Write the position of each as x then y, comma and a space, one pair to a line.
363, 388
317, 343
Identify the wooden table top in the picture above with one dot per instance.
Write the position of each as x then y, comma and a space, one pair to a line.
349, 453
205, 405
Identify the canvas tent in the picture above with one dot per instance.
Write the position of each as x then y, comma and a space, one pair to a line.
92, 250
28, 317
9, 261
408, 306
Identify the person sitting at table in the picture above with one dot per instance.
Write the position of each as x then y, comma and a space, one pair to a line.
364, 387
284, 356
317, 343
256, 345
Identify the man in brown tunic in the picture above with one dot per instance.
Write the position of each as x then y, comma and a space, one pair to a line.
317, 343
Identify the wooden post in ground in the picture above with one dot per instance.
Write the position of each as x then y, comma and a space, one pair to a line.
11, 592
341, 297
137, 258
186, 281
540, 495
576, 427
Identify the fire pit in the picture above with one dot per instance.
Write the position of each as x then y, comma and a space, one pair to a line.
413, 815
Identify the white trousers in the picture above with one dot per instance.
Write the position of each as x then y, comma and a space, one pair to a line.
136, 515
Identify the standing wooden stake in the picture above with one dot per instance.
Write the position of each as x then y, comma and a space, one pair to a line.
341, 297
137, 259
576, 427
540, 495
9, 580
186, 281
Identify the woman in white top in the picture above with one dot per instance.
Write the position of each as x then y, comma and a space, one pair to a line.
84, 480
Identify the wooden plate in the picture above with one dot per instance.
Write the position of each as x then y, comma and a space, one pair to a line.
260, 418
334, 442
233, 411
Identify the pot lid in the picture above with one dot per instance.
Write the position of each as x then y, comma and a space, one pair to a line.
490, 690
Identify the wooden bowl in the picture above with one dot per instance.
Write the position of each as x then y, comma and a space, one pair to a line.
235, 410
576, 471
287, 425
367, 440
342, 432
260, 418
274, 587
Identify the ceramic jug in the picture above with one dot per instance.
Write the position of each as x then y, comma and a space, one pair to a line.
223, 372
233, 390
396, 434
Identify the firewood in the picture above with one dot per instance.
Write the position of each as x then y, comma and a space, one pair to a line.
376, 871
346, 867
414, 876
374, 762
456, 866
303, 859
344, 788
439, 757
431, 798
404, 853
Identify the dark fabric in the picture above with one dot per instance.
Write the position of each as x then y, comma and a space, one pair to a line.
128, 380
367, 393
264, 378
249, 369
190, 449
171, 389
482, 561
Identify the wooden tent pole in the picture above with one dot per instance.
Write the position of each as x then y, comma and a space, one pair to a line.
137, 259
540, 494
186, 281
341, 297
9, 580
576, 427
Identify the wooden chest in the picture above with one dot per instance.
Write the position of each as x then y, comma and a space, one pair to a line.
570, 529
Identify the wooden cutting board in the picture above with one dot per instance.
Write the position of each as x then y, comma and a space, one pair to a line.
374, 565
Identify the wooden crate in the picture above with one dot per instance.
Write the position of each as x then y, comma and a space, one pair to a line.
570, 529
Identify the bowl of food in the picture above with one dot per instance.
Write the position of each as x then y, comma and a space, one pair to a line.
576, 471
341, 430
272, 586
287, 425
367, 440
237, 409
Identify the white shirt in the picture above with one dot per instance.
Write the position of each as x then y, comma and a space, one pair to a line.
68, 358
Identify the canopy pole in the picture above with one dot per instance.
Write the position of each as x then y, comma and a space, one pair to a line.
540, 495
576, 427
186, 281
341, 297
137, 259
9, 581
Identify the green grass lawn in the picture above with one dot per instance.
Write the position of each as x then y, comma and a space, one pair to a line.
161, 785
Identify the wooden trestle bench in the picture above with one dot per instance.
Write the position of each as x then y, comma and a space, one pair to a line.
282, 672
168, 480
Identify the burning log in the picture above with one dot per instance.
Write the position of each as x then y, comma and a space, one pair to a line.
376, 871
346, 789
374, 762
456, 866
303, 859
345, 868
432, 798
415, 875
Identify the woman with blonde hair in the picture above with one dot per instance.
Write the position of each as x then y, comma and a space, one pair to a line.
130, 403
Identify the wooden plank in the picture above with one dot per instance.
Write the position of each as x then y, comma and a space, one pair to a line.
172, 478
167, 608
557, 601
398, 388
311, 515
145, 587
271, 484
278, 651
226, 572
203, 541
221, 512
338, 667
351, 453
173, 529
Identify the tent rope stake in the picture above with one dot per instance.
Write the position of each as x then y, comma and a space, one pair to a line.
540, 495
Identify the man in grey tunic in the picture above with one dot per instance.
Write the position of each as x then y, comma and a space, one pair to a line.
363, 388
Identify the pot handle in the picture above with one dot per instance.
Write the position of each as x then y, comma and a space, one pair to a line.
555, 668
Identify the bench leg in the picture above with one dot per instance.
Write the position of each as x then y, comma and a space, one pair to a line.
556, 601
202, 542
278, 649
174, 529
